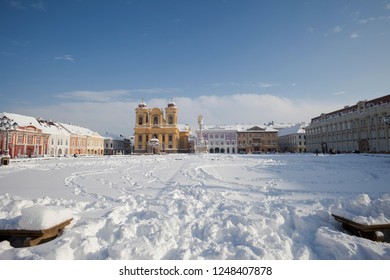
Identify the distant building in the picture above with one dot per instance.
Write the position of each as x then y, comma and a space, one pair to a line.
256, 139
292, 139
364, 127
156, 132
240, 138
114, 144
220, 138
129, 145
84, 141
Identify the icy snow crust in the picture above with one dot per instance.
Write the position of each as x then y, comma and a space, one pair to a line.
201, 206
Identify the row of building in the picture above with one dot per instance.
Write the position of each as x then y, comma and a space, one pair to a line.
35, 137
364, 127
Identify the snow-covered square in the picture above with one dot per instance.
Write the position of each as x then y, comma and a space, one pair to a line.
198, 206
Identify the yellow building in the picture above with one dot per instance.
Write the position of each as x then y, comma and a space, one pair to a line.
155, 132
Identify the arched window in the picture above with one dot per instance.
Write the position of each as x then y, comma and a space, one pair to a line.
155, 120
140, 120
170, 120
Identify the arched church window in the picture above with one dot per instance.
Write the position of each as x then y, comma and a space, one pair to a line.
155, 120
170, 120
140, 120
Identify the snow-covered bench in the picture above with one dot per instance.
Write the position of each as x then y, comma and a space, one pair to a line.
36, 225
372, 232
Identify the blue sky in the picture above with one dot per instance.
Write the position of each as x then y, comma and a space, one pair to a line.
90, 62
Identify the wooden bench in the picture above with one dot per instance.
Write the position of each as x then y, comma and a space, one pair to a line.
27, 238
372, 232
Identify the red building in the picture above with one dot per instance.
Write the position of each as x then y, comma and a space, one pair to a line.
25, 141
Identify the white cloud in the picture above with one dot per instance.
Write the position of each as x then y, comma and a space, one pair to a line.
16, 4
67, 57
23, 5
265, 85
148, 91
339, 93
95, 96
310, 29
119, 116
39, 5
337, 29
354, 35
373, 19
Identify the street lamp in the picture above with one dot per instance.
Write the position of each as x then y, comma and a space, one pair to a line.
7, 125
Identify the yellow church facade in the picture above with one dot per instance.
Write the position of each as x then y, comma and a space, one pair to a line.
157, 130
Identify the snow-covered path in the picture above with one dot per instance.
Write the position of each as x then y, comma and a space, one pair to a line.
202, 206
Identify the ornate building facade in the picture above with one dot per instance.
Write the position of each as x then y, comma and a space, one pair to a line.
157, 130
255, 139
364, 127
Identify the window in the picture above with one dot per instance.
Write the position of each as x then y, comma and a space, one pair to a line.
170, 120
170, 138
140, 120
155, 120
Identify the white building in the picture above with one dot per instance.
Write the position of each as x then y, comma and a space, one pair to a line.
220, 138
292, 139
364, 127
114, 144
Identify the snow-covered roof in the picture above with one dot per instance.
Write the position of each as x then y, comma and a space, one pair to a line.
183, 127
47, 126
74, 129
112, 136
239, 128
219, 127
254, 127
296, 129
280, 126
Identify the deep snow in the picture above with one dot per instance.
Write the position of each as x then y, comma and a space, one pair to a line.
206, 206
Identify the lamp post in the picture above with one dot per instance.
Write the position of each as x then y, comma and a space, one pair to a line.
7, 125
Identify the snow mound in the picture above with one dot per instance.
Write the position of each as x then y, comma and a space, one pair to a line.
43, 217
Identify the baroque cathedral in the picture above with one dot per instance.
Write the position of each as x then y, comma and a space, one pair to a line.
156, 132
